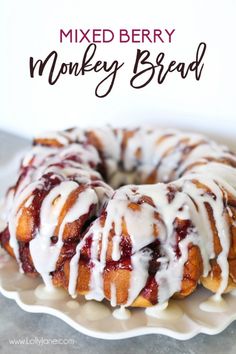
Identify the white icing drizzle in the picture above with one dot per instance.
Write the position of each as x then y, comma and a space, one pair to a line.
44, 254
202, 176
116, 248
139, 274
166, 311
121, 313
15, 213
113, 295
94, 311
214, 303
44, 293
72, 304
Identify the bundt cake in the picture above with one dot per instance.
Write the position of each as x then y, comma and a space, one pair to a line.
133, 216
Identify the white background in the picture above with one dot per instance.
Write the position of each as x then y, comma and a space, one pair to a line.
31, 28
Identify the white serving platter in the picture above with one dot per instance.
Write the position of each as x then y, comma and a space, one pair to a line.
193, 321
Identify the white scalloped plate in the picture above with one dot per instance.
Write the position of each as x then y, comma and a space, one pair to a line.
21, 288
